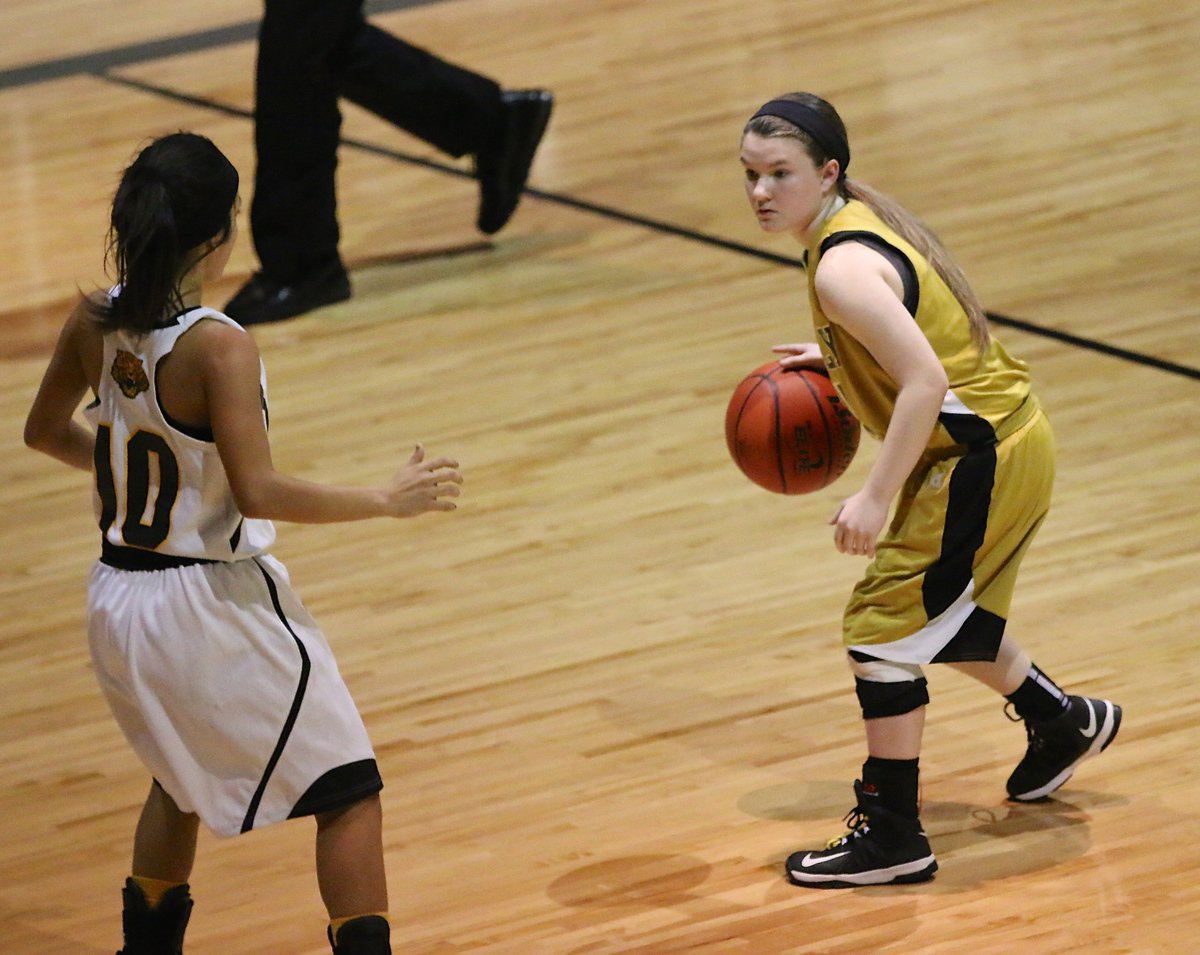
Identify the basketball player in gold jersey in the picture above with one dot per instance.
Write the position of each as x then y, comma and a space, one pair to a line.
967, 460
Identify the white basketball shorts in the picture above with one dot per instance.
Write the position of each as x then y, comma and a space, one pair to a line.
228, 692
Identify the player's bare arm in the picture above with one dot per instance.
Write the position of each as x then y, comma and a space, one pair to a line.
229, 372
860, 291
51, 426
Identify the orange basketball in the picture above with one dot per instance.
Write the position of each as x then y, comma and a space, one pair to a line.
788, 429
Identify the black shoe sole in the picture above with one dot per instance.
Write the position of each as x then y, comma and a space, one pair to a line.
911, 878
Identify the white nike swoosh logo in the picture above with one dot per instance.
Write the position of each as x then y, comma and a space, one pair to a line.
810, 860
1091, 728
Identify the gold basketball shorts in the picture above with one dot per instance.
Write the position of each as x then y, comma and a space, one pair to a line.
940, 586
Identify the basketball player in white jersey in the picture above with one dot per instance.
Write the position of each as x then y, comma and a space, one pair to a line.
218, 677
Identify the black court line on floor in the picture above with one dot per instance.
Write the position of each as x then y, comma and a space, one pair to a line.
666, 228
101, 63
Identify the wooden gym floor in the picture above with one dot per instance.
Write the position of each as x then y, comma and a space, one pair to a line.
607, 694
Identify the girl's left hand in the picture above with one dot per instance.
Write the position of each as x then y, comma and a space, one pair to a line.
858, 524
800, 355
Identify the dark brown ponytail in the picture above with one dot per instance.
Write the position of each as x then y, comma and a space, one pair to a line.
175, 197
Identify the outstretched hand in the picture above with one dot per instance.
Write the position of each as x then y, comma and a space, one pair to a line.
422, 485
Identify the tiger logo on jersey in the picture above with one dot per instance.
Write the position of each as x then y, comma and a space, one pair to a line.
128, 373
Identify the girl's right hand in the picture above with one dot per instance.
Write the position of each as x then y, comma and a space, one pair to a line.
802, 355
421, 485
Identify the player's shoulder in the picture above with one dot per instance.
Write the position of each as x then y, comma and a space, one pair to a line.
84, 326
209, 324
88, 311
850, 256
844, 268
840, 269
216, 340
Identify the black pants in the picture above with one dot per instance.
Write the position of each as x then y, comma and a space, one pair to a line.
310, 53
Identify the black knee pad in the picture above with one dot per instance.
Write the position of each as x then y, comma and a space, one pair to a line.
890, 699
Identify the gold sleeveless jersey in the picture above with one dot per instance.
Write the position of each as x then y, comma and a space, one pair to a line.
989, 394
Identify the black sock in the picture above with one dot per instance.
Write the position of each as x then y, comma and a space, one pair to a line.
1038, 698
893, 782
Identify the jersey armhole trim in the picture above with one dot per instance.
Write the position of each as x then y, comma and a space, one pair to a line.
900, 262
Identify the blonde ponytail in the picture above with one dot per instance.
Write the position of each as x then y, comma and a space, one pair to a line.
923, 239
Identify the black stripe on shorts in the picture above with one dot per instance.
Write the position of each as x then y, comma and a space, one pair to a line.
970, 495
305, 667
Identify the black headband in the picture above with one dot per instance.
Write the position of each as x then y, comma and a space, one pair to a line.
827, 136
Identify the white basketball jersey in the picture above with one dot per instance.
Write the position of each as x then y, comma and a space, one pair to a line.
160, 486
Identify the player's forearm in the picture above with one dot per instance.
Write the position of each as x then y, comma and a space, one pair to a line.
280, 497
913, 421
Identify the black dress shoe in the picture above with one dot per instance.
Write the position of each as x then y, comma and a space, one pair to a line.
503, 167
262, 299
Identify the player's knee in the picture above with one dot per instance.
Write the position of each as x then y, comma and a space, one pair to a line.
888, 689
890, 699
364, 811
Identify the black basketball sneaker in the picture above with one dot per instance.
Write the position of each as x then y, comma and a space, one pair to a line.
1057, 746
881, 848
